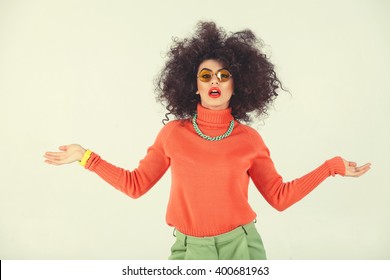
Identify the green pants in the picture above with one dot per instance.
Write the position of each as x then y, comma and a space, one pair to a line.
242, 243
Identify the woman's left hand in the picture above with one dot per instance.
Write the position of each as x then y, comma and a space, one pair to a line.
352, 170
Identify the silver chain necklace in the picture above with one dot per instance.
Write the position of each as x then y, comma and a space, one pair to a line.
209, 138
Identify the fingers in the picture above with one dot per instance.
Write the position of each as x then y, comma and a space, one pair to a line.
63, 148
55, 158
54, 155
51, 162
57, 155
357, 171
352, 170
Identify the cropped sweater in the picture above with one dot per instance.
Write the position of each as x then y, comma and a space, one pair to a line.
209, 180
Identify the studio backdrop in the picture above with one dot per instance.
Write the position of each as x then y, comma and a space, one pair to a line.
83, 72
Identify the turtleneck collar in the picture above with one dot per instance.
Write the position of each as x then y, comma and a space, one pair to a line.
214, 116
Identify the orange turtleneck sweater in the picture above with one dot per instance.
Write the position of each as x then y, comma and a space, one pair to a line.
209, 192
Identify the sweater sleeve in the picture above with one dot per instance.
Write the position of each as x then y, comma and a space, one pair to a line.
282, 195
137, 182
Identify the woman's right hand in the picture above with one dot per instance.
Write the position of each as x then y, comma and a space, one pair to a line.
68, 154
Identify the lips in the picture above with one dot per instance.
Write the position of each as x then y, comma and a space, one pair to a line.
214, 92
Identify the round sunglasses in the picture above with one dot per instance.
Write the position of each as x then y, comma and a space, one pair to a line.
205, 75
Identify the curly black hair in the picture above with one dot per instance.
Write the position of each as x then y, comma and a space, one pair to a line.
255, 81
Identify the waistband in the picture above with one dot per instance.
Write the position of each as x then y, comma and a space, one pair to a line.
211, 240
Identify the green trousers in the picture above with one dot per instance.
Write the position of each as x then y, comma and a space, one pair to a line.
242, 243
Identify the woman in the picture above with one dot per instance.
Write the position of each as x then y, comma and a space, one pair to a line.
210, 83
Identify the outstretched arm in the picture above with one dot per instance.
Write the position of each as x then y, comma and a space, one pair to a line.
281, 194
133, 183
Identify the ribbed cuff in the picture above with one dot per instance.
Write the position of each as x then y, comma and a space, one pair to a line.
336, 166
92, 161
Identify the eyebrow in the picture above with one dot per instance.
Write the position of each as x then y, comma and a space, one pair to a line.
224, 68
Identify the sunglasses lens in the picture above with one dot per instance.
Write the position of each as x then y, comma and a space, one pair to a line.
223, 75
205, 75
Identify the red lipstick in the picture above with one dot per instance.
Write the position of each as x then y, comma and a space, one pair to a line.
214, 92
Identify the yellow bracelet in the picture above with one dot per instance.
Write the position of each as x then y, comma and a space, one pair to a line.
85, 157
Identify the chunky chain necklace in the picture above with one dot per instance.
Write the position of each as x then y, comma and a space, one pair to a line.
209, 138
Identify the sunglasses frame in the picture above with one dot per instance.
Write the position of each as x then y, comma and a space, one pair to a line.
218, 74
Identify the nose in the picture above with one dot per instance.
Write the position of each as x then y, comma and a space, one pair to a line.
214, 80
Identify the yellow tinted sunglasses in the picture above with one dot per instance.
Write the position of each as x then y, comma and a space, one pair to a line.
205, 75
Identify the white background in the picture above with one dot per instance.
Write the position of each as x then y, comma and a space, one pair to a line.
83, 71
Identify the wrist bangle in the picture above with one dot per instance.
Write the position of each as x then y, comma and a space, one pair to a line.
85, 157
